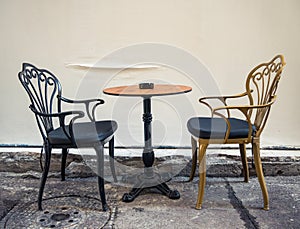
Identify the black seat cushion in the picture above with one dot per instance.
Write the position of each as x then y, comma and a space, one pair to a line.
84, 133
215, 128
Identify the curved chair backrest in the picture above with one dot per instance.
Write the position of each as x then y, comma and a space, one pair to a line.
43, 89
261, 85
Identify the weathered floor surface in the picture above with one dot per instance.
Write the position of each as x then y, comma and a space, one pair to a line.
74, 203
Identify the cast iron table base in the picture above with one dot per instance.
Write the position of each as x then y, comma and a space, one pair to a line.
150, 180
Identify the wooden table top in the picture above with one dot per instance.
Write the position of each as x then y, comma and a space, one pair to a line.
158, 90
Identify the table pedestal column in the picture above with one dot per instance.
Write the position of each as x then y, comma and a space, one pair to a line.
149, 179
148, 154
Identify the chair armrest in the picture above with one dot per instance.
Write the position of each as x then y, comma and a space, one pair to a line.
223, 99
244, 109
61, 116
87, 102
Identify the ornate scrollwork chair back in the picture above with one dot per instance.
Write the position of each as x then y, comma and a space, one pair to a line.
261, 85
223, 127
43, 89
62, 129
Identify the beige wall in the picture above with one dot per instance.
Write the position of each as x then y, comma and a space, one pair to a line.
228, 36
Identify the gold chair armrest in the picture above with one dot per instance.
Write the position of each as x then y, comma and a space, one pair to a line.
223, 99
244, 109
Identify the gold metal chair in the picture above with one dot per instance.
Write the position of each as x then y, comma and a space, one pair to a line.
223, 128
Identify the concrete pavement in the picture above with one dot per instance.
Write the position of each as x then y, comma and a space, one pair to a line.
74, 203
228, 203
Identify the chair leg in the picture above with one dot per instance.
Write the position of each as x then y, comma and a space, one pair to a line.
44, 174
260, 175
202, 174
63, 163
244, 162
112, 159
194, 158
100, 174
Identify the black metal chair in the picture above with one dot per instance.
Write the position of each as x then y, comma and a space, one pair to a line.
44, 90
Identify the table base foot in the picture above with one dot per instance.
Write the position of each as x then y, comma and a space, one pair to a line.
143, 184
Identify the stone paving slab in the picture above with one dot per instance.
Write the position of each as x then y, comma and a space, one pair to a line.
219, 163
74, 203
228, 203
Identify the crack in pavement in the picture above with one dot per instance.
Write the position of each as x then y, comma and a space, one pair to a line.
250, 220
112, 216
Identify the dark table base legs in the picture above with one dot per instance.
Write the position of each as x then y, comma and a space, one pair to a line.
150, 180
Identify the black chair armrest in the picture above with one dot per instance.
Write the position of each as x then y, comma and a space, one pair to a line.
62, 116
90, 110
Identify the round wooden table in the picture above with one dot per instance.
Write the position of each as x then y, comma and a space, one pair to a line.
148, 177
158, 90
